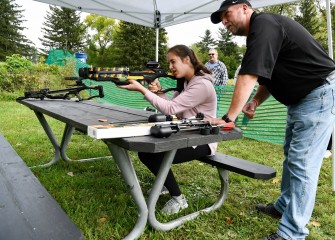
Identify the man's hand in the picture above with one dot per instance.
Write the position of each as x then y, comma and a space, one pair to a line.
219, 121
250, 108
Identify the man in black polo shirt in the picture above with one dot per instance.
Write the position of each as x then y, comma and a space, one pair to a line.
292, 67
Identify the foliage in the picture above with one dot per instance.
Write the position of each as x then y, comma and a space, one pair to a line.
100, 40
63, 30
12, 41
226, 44
18, 74
288, 9
207, 42
135, 45
229, 51
310, 18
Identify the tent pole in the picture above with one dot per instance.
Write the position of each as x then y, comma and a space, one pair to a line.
157, 39
330, 51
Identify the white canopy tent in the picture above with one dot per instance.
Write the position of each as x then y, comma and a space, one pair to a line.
161, 13
153, 13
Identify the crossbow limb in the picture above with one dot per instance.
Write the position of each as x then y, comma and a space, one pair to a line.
66, 93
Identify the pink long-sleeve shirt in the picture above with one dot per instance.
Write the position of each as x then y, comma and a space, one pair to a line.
198, 96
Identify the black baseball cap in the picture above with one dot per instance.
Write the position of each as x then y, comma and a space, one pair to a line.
216, 16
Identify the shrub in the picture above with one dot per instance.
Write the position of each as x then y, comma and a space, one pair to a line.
18, 74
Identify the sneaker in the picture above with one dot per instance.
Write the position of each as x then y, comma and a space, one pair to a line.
163, 192
274, 236
269, 209
175, 204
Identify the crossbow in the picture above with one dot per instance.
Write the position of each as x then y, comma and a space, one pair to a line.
149, 75
165, 130
66, 93
196, 123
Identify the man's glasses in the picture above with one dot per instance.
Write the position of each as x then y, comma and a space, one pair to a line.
211, 54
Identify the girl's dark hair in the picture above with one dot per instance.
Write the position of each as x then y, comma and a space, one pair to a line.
183, 51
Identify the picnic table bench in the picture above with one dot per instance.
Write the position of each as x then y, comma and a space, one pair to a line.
27, 210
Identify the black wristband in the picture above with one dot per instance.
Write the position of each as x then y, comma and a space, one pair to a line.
226, 118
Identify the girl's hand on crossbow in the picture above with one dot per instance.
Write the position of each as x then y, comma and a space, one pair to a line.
134, 86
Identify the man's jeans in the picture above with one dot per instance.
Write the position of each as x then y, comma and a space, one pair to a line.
309, 127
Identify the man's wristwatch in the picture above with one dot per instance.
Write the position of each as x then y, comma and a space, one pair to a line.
226, 118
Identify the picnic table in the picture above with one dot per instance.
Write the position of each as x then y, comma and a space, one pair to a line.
78, 115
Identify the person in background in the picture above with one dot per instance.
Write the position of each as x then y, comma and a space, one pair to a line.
218, 68
290, 65
197, 96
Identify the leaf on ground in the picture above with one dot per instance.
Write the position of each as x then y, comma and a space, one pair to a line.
103, 218
276, 180
70, 174
232, 235
315, 223
228, 220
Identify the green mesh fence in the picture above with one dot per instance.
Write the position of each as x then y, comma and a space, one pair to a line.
61, 57
268, 124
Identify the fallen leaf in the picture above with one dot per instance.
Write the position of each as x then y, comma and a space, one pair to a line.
315, 224
228, 220
276, 180
103, 218
70, 174
232, 235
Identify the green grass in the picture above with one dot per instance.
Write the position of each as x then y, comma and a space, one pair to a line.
96, 199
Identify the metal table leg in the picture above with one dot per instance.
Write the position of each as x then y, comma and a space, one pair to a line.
68, 132
60, 149
52, 138
158, 184
128, 173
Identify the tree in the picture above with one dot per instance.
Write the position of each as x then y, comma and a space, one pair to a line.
63, 30
12, 41
226, 44
288, 9
207, 42
229, 51
309, 17
100, 40
135, 45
